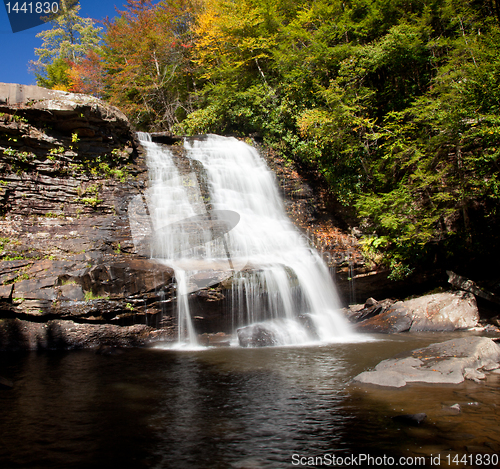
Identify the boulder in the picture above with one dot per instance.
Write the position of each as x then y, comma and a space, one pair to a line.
443, 312
219, 339
450, 362
447, 311
257, 335
465, 284
395, 318
371, 308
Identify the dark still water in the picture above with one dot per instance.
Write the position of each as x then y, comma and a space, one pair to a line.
229, 408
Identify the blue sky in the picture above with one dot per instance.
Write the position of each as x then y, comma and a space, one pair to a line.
16, 50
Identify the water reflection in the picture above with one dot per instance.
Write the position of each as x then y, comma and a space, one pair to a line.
220, 408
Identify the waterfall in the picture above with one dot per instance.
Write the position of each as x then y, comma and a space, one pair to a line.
277, 280
171, 198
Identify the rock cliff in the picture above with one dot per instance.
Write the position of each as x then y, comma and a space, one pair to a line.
69, 165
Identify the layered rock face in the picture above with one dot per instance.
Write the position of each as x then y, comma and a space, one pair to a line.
69, 166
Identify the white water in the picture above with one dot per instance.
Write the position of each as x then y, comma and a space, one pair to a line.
168, 201
277, 279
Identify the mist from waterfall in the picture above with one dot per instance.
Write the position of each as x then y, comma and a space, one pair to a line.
277, 280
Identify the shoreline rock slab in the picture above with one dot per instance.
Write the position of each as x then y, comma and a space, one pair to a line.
437, 312
17, 334
449, 362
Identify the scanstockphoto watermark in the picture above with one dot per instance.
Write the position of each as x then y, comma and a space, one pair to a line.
364, 460
367, 460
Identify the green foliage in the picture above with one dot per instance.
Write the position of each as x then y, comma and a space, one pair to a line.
89, 195
145, 60
69, 40
16, 118
69, 281
56, 151
4, 242
19, 276
9, 152
54, 75
396, 103
103, 168
90, 296
18, 156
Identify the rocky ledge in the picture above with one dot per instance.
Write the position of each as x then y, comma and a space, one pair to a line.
70, 275
446, 311
450, 362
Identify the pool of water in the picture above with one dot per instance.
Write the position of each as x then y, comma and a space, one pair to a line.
232, 408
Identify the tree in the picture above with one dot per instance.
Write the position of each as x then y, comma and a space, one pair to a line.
69, 40
87, 75
436, 189
146, 61
394, 101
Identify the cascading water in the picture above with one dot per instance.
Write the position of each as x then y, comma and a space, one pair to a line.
168, 201
277, 280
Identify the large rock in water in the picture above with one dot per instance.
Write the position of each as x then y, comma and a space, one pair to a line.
257, 335
69, 167
437, 312
451, 362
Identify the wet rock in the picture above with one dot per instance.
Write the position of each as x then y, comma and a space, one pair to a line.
410, 419
127, 277
371, 308
395, 318
16, 334
437, 312
70, 167
453, 409
256, 335
447, 362
219, 339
